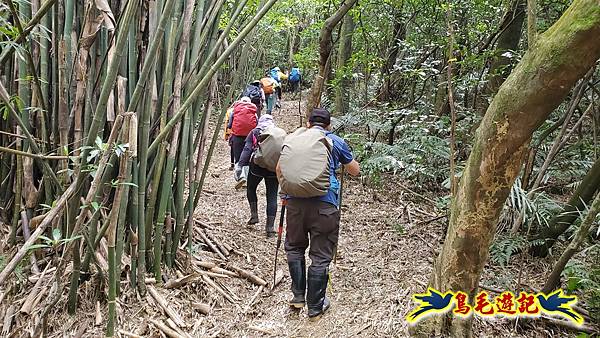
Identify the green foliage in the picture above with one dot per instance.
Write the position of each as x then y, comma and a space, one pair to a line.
504, 247
53, 242
583, 277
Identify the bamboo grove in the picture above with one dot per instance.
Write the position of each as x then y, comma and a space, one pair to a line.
106, 115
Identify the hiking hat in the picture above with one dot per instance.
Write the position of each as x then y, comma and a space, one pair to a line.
320, 115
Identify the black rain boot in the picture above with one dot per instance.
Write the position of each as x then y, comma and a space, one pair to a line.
298, 274
316, 301
253, 213
270, 226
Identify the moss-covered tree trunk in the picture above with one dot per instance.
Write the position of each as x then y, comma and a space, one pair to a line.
344, 54
511, 30
325, 47
538, 84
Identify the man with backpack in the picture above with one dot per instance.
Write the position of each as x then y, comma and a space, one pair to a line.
261, 153
241, 121
306, 172
294, 79
256, 94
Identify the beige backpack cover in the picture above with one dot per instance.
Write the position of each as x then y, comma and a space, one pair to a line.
270, 142
304, 163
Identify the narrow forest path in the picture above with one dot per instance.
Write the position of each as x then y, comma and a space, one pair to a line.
376, 272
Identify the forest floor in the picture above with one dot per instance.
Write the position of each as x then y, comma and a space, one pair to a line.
388, 241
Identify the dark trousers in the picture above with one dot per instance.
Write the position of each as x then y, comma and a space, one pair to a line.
237, 145
294, 86
271, 184
313, 223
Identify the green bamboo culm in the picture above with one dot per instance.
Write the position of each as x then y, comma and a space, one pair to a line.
208, 76
143, 140
113, 279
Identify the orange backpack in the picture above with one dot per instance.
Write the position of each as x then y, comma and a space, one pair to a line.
268, 85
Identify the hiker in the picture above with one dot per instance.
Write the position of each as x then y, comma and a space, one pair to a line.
313, 217
262, 159
227, 136
242, 120
256, 94
294, 79
283, 79
268, 85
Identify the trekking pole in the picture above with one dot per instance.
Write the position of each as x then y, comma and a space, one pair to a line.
279, 235
300, 104
340, 208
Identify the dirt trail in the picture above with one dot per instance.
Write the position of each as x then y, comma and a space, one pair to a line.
376, 272
388, 241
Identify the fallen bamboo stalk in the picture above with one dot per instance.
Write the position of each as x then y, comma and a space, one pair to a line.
176, 283
218, 243
249, 276
35, 292
214, 285
173, 326
260, 329
60, 203
165, 329
165, 306
213, 274
204, 225
211, 245
219, 272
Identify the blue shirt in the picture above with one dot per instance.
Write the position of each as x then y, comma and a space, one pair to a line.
340, 153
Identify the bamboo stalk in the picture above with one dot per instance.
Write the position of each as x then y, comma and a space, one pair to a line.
186, 105
112, 235
144, 133
25, 32
31, 141
108, 84
26, 154
150, 60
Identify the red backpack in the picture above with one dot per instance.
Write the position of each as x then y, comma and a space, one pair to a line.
244, 118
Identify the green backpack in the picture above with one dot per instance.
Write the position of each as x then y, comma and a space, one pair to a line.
268, 147
304, 163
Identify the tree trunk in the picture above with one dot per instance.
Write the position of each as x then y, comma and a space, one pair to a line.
563, 221
508, 40
325, 47
582, 234
344, 54
392, 55
540, 82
